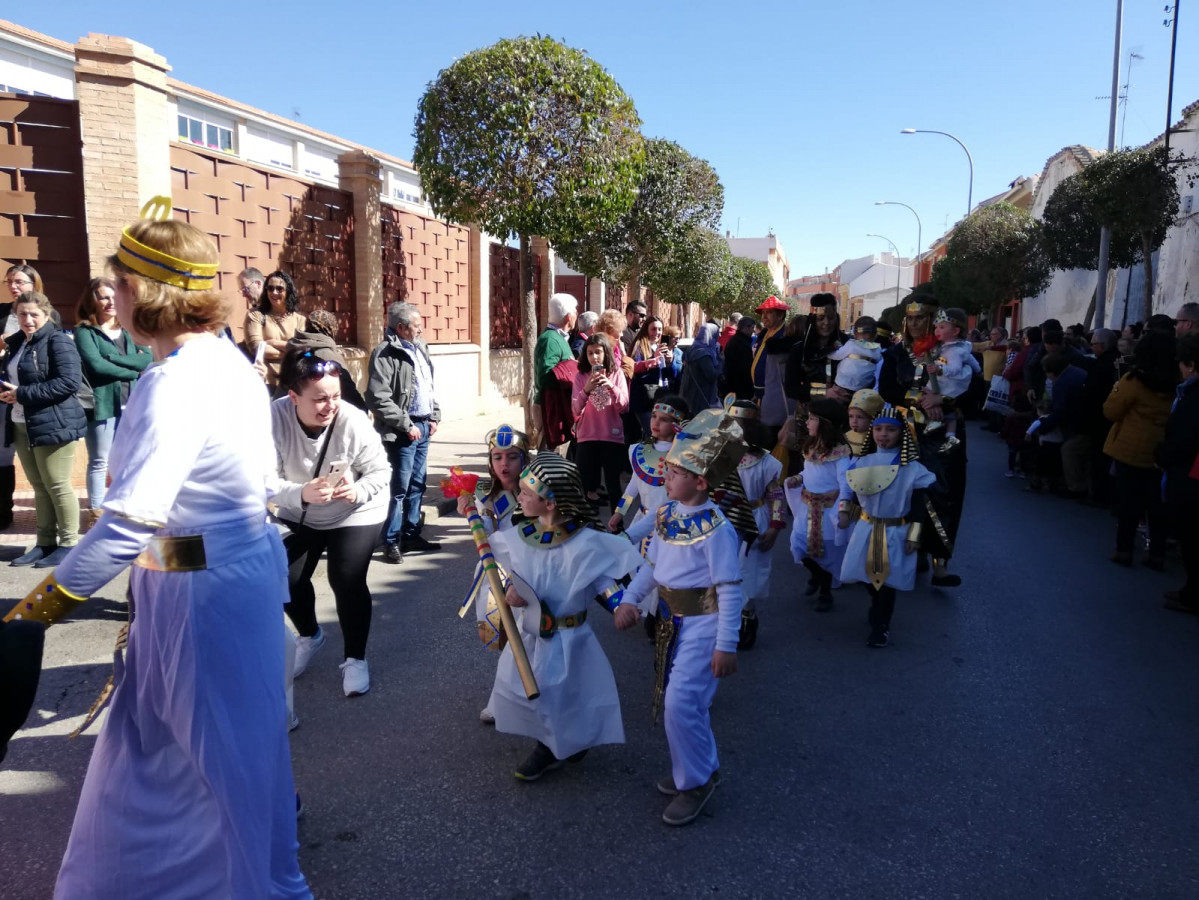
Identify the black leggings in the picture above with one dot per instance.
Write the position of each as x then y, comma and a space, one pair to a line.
596, 458
349, 549
882, 606
1139, 493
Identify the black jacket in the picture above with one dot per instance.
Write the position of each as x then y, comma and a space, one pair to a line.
48, 377
1177, 452
738, 359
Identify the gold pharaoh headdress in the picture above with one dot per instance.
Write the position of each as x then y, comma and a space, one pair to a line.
710, 445
508, 438
159, 266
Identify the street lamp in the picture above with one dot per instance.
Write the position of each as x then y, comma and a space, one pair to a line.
969, 159
898, 262
919, 230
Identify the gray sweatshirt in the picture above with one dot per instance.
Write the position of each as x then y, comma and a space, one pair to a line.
353, 440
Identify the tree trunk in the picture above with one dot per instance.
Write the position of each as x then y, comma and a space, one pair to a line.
528, 321
1147, 252
1086, 322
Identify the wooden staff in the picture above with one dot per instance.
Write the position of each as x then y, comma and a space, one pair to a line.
492, 571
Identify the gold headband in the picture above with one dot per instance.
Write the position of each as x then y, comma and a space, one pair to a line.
916, 308
159, 266
751, 413
667, 410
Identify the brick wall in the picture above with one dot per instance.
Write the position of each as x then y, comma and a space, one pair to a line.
426, 263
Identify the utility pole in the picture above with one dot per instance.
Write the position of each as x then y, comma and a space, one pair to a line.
1105, 236
1173, 23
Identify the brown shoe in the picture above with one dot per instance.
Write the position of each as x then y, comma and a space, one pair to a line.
687, 805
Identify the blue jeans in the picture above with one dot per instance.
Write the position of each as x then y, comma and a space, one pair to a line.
99, 443
408, 460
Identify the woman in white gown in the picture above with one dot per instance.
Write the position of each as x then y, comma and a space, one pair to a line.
189, 791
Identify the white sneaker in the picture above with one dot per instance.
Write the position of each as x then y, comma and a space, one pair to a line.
355, 680
294, 722
486, 716
306, 648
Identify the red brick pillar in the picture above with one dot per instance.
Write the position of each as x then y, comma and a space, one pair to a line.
361, 175
125, 124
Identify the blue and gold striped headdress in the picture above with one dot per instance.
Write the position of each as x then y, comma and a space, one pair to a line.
551, 477
159, 266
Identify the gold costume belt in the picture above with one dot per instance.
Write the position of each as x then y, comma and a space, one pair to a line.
550, 623
817, 504
180, 553
681, 602
689, 601
878, 560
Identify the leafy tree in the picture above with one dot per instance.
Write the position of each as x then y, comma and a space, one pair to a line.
757, 283
677, 191
1132, 192
529, 137
699, 268
995, 255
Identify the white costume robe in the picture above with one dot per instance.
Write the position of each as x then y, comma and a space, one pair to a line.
578, 707
820, 478
857, 364
189, 789
757, 473
893, 502
690, 688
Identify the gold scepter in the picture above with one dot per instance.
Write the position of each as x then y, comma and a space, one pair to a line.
459, 483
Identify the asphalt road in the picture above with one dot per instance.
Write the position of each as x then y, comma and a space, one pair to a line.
1031, 734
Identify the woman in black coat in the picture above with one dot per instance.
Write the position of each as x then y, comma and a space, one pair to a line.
1178, 456
41, 375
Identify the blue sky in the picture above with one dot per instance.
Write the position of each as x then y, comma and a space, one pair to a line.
798, 105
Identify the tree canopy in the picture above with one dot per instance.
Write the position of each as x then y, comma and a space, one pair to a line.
677, 192
699, 268
1131, 192
530, 137
994, 255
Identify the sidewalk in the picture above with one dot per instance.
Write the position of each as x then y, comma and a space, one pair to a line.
460, 443
457, 443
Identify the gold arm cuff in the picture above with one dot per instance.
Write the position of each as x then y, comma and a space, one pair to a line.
47, 603
690, 601
914, 530
147, 522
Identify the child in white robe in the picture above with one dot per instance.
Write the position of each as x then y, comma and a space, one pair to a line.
813, 496
559, 563
884, 539
694, 566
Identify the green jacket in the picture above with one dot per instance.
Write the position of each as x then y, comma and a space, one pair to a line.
551, 349
106, 368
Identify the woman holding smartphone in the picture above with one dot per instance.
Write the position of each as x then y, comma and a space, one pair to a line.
331, 490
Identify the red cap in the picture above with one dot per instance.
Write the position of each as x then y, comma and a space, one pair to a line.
773, 302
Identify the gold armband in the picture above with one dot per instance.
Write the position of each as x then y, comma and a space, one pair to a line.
914, 529
46, 603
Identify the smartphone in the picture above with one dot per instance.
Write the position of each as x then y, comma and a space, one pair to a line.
260, 353
336, 473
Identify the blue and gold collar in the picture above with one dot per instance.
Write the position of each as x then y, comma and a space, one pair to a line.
677, 528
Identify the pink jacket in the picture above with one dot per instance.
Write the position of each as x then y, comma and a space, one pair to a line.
597, 415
